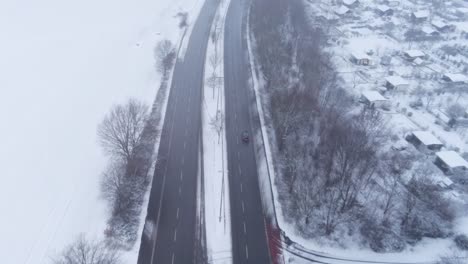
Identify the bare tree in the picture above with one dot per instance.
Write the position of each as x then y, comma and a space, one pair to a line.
164, 55
183, 19
121, 130
112, 180
83, 251
214, 60
217, 123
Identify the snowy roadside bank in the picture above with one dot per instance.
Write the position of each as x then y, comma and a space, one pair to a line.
216, 188
158, 113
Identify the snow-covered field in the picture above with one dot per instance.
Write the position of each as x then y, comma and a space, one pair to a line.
63, 65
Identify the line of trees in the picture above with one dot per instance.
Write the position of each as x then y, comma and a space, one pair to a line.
125, 181
334, 175
128, 135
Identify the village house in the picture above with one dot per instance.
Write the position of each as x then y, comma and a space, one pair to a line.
395, 82
444, 183
342, 10
450, 162
430, 32
418, 62
360, 58
424, 141
373, 99
384, 10
440, 26
420, 16
351, 3
411, 55
456, 78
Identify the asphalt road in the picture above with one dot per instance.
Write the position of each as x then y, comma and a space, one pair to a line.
172, 204
248, 223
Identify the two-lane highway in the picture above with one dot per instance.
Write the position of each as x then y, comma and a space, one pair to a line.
249, 241
172, 204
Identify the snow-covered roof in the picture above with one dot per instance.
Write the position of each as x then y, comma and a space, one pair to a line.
428, 30
444, 182
438, 24
349, 2
456, 77
452, 159
414, 53
358, 55
373, 96
426, 138
342, 10
421, 14
418, 61
383, 8
396, 80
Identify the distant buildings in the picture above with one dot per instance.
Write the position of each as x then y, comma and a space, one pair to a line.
450, 162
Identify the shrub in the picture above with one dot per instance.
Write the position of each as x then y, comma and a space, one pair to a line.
381, 238
461, 241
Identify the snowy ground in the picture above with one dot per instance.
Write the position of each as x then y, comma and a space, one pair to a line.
217, 206
64, 64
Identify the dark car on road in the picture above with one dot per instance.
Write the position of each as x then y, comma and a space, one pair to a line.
245, 136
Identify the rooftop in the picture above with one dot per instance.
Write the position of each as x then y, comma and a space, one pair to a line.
373, 96
444, 182
438, 24
427, 138
456, 77
349, 2
383, 8
360, 55
452, 159
421, 14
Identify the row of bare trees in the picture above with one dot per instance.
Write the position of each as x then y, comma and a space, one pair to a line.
334, 175
127, 134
